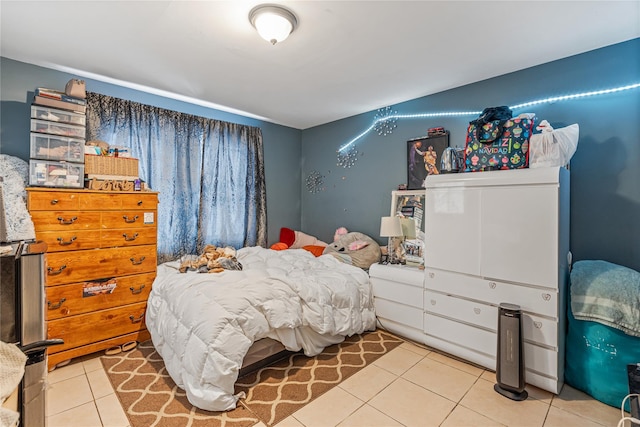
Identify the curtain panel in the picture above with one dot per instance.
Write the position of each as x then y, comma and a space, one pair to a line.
209, 173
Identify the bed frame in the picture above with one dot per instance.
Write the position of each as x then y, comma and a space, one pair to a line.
262, 353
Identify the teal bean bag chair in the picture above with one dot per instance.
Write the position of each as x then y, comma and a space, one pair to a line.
603, 330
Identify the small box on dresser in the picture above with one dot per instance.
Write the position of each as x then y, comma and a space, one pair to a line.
100, 266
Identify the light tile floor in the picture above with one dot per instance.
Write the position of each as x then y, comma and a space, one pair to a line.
411, 386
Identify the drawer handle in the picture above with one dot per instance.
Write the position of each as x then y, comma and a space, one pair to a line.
139, 202
55, 306
134, 262
432, 275
433, 302
476, 310
136, 291
138, 320
538, 325
546, 297
54, 201
67, 221
492, 285
52, 272
129, 220
128, 238
61, 241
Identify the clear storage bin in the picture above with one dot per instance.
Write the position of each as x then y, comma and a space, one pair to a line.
51, 147
46, 173
59, 116
63, 129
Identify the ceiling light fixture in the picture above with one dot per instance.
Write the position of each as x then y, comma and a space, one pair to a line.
274, 23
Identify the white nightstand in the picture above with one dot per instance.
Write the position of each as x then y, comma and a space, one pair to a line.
398, 292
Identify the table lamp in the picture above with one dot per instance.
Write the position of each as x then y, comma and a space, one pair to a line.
391, 227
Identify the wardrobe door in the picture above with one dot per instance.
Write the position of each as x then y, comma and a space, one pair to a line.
519, 234
453, 229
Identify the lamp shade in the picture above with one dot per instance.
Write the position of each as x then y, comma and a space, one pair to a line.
273, 23
390, 226
408, 228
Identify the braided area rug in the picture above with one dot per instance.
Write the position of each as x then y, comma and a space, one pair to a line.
151, 398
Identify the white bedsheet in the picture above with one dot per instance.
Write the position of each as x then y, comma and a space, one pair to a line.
203, 324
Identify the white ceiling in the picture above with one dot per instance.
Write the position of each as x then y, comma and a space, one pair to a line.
345, 57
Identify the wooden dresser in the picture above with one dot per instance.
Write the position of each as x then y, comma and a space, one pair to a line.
100, 265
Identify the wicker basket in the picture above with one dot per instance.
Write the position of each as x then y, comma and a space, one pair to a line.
106, 165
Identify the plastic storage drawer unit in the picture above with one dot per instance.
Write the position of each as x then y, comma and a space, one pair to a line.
59, 116
56, 174
53, 147
71, 131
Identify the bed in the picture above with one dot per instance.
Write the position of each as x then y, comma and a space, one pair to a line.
203, 325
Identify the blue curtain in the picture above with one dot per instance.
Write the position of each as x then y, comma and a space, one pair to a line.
209, 173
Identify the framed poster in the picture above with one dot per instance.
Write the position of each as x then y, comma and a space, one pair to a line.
423, 158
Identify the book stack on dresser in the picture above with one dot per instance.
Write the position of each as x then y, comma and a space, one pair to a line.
99, 267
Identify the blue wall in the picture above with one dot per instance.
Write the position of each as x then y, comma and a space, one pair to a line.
605, 171
281, 144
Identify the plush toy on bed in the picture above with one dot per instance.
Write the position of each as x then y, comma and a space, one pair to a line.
213, 260
354, 248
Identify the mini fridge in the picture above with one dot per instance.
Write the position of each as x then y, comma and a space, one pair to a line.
22, 322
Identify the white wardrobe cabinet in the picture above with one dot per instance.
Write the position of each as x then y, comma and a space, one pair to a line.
493, 237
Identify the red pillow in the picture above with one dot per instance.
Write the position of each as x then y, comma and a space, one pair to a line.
287, 236
279, 246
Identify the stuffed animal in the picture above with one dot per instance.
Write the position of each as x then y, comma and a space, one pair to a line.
213, 260
360, 249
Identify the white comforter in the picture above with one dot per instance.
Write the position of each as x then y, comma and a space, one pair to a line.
203, 324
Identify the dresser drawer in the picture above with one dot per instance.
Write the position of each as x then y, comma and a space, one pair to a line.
399, 313
129, 219
534, 300
65, 220
48, 200
72, 240
539, 359
118, 201
397, 274
141, 201
128, 237
398, 292
534, 328
472, 312
85, 297
470, 337
99, 201
87, 265
100, 325
540, 330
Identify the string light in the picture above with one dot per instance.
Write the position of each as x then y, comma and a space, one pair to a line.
385, 121
395, 117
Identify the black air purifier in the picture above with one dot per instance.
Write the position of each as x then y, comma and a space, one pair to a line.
510, 355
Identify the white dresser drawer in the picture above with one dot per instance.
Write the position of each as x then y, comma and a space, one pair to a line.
534, 300
542, 360
536, 329
397, 274
399, 313
463, 335
398, 292
472, 312
470, 339
540, 330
